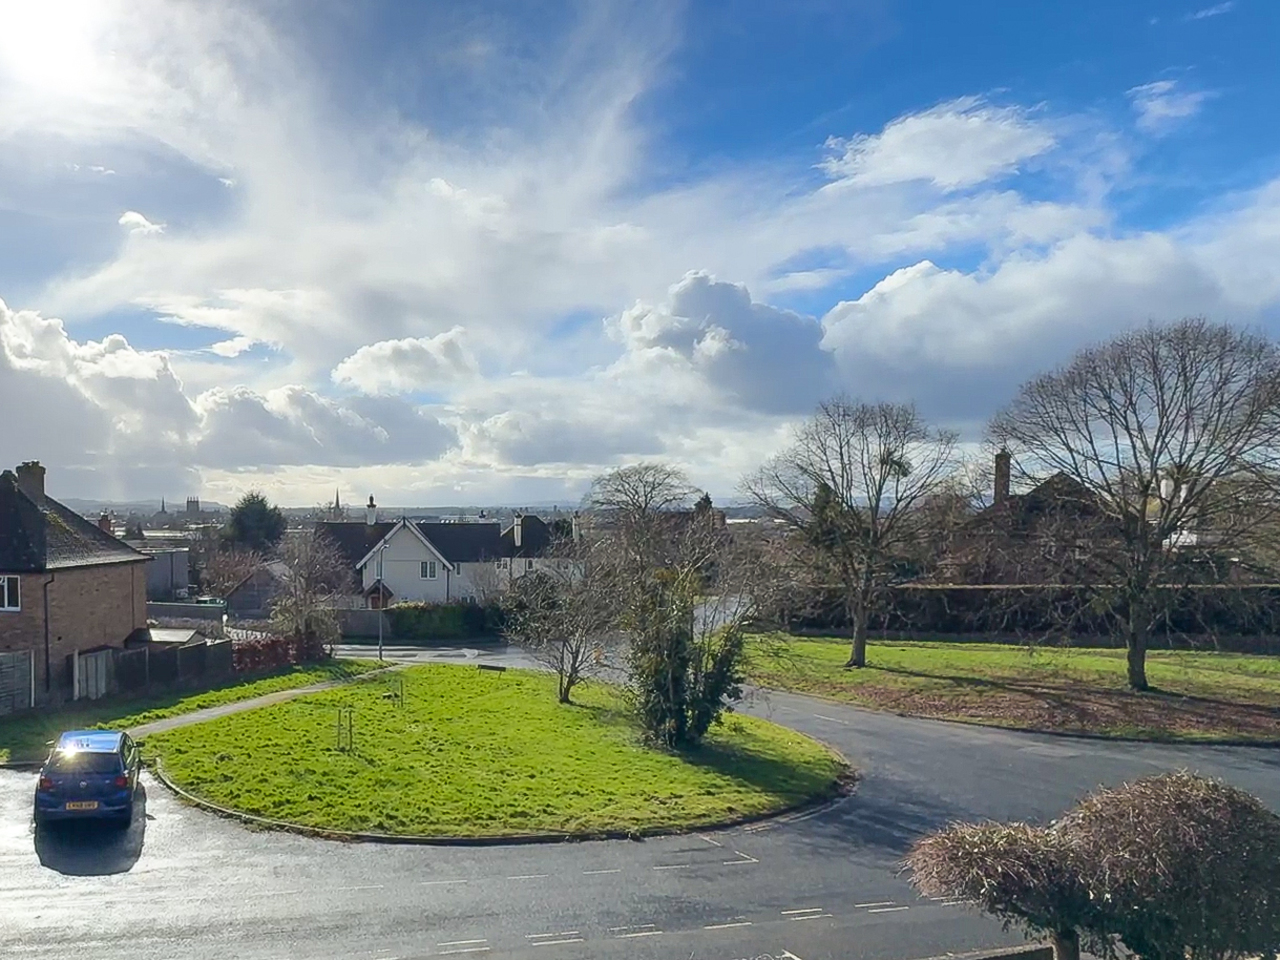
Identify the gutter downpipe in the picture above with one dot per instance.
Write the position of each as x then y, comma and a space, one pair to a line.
48, 679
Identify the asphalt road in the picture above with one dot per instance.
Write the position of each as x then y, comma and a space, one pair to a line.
823, 885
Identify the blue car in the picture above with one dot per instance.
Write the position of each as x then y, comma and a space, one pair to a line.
90, 774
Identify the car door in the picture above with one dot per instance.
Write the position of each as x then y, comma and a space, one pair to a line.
132, 759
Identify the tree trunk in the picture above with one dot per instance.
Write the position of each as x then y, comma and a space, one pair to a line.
1066, 945
858, 653
1139, 632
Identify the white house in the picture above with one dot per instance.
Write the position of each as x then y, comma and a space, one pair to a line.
437, 562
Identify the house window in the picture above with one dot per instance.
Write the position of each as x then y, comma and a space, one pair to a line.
428, 569
10, 595
528, 564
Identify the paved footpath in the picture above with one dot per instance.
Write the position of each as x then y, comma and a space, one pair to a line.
266, 700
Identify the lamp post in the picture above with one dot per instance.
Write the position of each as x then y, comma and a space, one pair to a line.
382, 598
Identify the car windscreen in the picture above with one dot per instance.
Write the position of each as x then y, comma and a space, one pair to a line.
84, 762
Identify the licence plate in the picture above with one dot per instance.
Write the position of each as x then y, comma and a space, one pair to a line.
82, 805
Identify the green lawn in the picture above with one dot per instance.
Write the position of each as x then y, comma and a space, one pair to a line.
475, 753
26, 737
1198, 695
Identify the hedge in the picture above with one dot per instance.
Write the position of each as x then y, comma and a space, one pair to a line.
443, 621
269, 653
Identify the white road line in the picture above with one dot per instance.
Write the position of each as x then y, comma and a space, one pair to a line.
530, 876
788, 913
726, 926
716, 843
596, 873
672, 866
878, 903
638, 933
461, 943
445, 953
552, 943
831, 719
368, 886
789, 955
429, 883
888, 909
562, 933
815, 916
745, 859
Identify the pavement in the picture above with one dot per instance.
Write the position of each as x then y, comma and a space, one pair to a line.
816, 886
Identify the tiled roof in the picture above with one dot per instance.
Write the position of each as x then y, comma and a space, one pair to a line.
50, 536
353, 538
535, 538
465, 542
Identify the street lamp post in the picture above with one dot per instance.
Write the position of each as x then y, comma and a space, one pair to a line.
382, 599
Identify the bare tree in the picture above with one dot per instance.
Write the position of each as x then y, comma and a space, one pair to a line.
641, 490
315, 576
563, 613
851, 486
226, 566
1172, 437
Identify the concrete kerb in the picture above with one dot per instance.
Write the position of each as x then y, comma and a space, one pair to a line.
1028, 951
843, 787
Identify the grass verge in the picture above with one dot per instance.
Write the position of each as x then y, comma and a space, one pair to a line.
26, 737
1198, 696
481, 753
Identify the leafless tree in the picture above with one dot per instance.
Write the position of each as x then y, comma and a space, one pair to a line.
641, 490
563, 613
851, 486
225, 566
1172, 436
314, 577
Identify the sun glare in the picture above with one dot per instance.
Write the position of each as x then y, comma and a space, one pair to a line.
51, 45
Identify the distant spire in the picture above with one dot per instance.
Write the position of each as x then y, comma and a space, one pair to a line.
162, 504
337, 503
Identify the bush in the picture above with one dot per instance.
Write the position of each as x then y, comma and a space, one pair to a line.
1171, 866
272, 653
443, 621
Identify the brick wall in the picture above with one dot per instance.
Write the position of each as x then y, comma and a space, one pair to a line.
88, 607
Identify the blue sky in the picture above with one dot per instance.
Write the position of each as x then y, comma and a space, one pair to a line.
464, 251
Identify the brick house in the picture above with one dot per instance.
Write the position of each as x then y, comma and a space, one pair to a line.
67, 588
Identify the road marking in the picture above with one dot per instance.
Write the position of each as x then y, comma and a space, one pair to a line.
640, 930
428, 883
568, 936
726, 926
368, 886
745, 859
445, 953
878, 903
672, 866
888, 909
815, 916
716, 843
789, 955
831, 719
596, 873
530, 876
788, 913
461, 943
562, 933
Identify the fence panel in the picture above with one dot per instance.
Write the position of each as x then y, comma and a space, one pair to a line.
15, 681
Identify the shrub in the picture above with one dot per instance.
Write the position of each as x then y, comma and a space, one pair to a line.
443, 621
272, 653
1172, 866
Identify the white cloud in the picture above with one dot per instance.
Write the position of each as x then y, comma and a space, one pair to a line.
954, 145
414, 364
233, 347
1162, 105
137, 223
1216, 10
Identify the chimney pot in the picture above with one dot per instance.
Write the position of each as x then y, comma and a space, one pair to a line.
1004, 465
31, 480
517, 529
371, 512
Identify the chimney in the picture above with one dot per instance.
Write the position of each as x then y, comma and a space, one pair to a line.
1004, 464
31, 480
576, 531
104, 522
371, 512
517, 530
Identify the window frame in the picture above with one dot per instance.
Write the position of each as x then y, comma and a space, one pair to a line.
429, 570
7, 593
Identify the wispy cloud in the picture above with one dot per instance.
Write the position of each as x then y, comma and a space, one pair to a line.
1217, 10
137, 223
1161, 105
